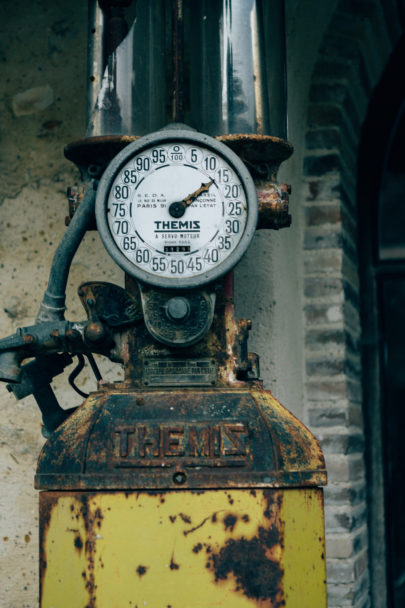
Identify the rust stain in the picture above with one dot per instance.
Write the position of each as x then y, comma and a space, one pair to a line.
89, 547
256, 575
98, 517
270, 443
141, 570
273, 503
47, 503
230, 521
252, 562
100, 149
173, 565
185, 518
254, 148
78, 543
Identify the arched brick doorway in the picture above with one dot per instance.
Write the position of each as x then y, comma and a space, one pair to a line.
351, 61
381, 195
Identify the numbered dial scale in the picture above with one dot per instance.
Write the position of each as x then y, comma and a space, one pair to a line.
176, 209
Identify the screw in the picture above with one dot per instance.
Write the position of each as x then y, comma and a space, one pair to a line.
93, 170
179, 477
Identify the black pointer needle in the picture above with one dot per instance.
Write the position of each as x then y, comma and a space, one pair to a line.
178, 208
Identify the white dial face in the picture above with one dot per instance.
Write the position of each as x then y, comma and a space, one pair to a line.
177, 210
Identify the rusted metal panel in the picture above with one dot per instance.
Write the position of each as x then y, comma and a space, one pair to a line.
261, 153
254, 148
207, 438
96, 151
236, 548
273, 205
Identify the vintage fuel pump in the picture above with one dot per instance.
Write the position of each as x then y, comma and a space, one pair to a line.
186, 484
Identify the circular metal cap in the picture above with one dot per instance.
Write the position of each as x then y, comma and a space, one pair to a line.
178, 309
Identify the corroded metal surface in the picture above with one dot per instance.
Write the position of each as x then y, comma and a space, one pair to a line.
273, 205
109, 303
255, 148
200, 438
261, 153
133, 346
228, 548
92, 154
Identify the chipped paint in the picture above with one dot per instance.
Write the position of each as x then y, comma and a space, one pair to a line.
238, 548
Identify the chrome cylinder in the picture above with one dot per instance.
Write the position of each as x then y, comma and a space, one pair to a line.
217, 65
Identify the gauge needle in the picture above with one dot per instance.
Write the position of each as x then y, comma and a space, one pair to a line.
178, 208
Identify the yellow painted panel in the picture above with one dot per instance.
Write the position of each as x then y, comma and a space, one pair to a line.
63, 584
188, 550
303, 559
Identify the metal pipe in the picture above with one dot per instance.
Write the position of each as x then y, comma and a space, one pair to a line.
95, 56
178, 61
130, 97
53, 303
227, 44
218, 66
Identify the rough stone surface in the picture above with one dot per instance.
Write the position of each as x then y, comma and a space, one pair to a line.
40, 42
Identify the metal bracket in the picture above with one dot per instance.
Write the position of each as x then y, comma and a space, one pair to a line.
177, 318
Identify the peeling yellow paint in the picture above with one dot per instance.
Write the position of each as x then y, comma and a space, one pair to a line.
239, 549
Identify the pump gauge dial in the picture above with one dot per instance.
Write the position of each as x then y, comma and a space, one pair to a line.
176, 209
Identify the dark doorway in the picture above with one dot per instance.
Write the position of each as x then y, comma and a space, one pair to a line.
381, 195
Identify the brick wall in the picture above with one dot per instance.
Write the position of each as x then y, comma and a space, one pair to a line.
350, 62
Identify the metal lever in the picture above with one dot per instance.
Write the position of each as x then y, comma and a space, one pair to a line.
35, 379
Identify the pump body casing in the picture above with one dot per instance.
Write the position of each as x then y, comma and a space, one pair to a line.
203, 497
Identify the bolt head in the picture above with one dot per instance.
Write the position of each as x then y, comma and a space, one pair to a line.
95, 332
178, 309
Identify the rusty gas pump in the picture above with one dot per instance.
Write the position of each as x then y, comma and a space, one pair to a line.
186, 484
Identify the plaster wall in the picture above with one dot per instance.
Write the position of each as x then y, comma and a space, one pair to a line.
43, 44
269, 278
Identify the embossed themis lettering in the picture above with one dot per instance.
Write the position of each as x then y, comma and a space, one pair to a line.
195, 444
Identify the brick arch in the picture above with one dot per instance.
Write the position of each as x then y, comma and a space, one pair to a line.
352, 57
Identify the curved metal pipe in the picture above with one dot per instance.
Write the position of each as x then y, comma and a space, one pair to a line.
53, 304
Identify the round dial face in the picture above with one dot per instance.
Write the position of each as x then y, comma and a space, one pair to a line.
176, 210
